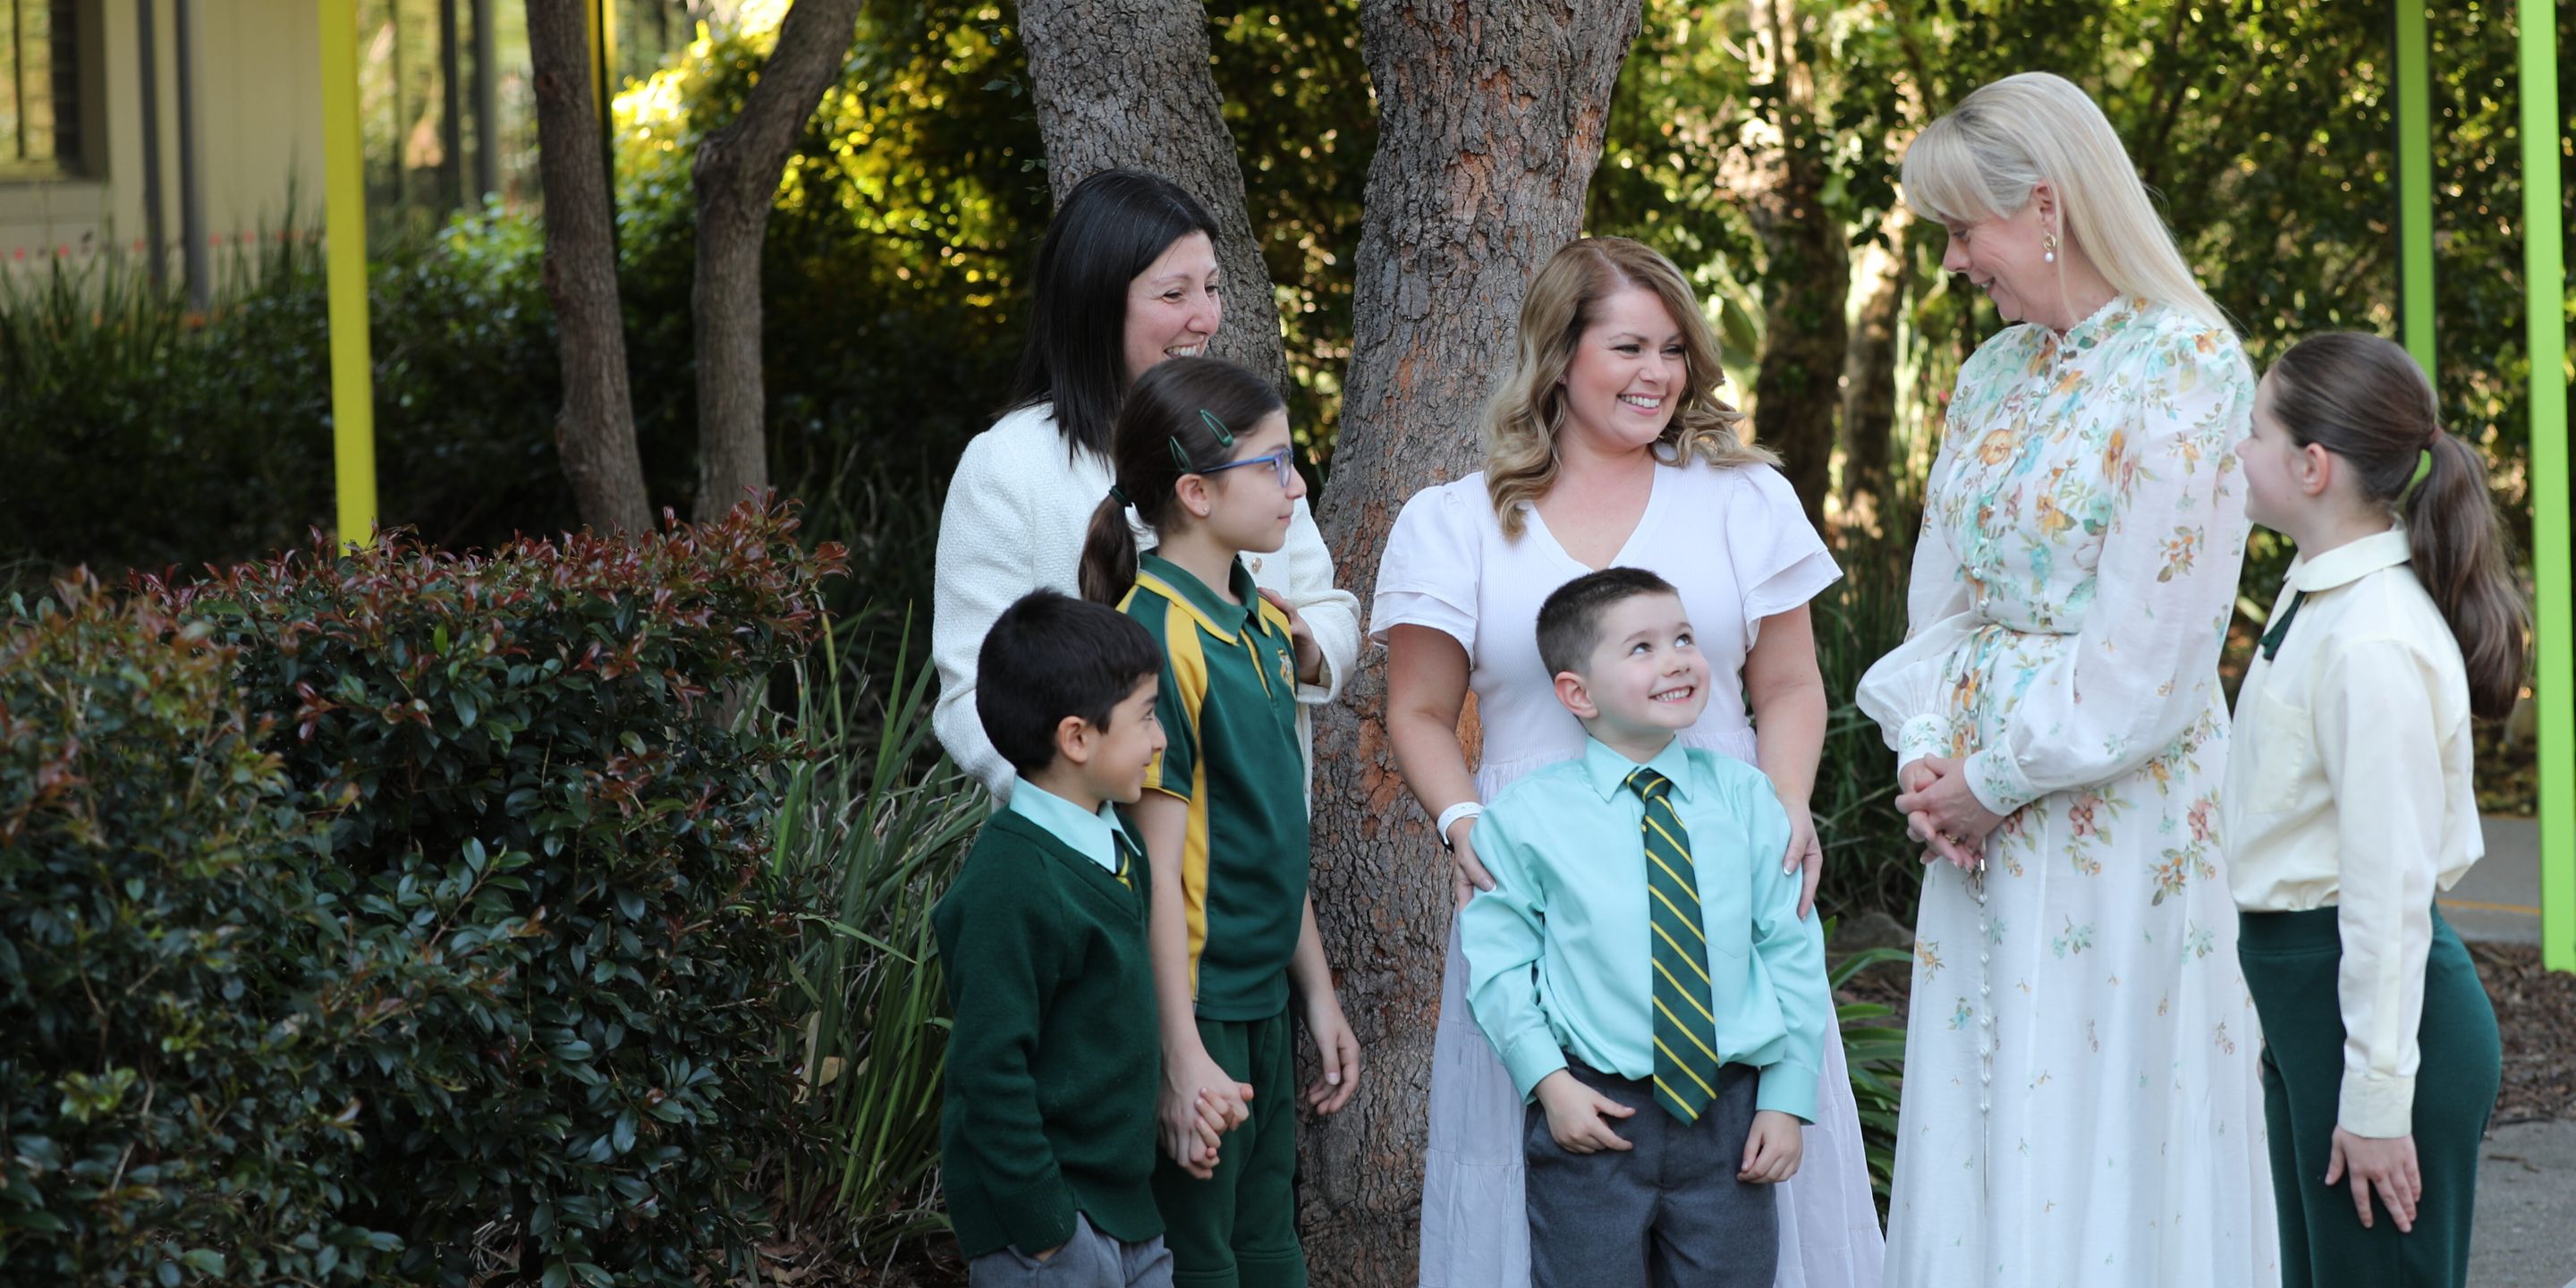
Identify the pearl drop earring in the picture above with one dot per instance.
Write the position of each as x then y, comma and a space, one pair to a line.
2048, 248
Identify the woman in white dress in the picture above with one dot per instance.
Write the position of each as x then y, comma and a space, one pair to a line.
1607, 446
2081, 1101
1126, 278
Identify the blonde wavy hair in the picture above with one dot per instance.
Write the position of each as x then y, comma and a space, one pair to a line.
1982, 158
1527, 413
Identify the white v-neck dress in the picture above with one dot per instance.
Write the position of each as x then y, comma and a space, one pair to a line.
1737, 545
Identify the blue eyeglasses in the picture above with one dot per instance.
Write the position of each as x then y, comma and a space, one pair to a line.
1282, 463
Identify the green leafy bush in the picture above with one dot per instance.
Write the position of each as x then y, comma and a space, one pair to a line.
169, 1094
516, 944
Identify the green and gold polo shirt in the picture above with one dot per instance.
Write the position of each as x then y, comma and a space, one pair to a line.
1228, 707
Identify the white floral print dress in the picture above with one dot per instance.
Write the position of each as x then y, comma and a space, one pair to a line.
2081, 1100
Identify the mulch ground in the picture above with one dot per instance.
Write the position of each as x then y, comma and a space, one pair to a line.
2535, 1013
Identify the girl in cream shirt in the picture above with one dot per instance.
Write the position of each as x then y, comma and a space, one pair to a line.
2349, 804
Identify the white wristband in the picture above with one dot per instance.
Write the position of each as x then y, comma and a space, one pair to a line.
1463, 809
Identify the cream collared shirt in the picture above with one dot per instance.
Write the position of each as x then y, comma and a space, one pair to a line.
2350, 785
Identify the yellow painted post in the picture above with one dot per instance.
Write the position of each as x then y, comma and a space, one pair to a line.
344, 223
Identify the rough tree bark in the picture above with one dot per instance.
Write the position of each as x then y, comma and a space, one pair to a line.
736, 172
1126, 83
595, 428
1806, 274
1490, 120
1869, 377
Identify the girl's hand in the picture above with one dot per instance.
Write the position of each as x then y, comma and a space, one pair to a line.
1942, 813
1575, 1115
1190, 1078
1805, 854
1338, 1051
1465, 872
2385, 1164
1310, 655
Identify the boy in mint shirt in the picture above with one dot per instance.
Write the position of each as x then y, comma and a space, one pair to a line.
1641, 968
1048, 1131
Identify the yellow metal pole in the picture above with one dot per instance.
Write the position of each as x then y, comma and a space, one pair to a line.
344, 223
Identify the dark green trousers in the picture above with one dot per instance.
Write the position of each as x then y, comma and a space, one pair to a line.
1239, 1230
2290, 961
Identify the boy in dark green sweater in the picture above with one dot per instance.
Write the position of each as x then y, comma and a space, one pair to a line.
1048, 1132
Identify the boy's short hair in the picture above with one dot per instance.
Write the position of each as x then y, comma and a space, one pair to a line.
1050, 656
1569, 623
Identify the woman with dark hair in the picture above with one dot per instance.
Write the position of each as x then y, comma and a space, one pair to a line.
1126, 278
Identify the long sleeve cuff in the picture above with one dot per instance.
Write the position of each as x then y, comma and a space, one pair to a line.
2379, 1107
1922, 737
1790, 1088
1040, 1216
1530, 1058
1997, 781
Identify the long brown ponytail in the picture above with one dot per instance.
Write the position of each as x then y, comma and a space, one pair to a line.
1180, 418
2360, 397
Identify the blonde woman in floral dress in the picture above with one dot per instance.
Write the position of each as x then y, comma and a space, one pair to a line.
2081, 1098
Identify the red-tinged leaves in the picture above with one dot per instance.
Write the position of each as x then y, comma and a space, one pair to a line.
518, 828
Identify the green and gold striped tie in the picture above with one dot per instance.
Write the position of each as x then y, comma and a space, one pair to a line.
1124, 847
1685, 1031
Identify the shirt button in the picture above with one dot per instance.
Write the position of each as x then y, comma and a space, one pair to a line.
1256, 565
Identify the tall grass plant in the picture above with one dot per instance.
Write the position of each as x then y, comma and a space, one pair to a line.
880, 821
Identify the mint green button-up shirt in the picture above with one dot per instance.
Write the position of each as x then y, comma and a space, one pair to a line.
1558, 958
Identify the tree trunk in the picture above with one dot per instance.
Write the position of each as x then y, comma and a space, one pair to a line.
595, 429
1126, 83
736, 172
1869, 379
1490, 124
1806, 275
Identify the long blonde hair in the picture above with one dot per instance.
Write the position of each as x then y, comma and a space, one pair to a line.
1522, 421
1983, 157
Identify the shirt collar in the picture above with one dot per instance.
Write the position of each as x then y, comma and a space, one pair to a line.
2114, 313
2350, 562
1090, 835
1608, 770
1220, 617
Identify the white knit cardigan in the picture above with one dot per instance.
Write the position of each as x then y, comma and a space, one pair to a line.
1014, 522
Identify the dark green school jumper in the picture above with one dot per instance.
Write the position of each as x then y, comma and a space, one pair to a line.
1055, 1059
1228, 706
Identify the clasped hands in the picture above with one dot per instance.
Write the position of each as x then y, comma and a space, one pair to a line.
1943, 814
1201, 1102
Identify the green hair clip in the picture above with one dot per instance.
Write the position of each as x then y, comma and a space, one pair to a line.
2423, 468
1181, 455
1224, 436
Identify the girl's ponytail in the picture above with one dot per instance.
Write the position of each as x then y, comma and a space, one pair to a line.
1179, 418
2363, 399
2461, 557
1108, 553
